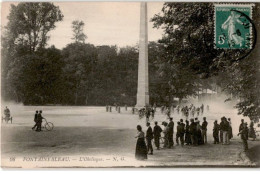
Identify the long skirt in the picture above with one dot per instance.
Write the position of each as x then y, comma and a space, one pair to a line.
141, 149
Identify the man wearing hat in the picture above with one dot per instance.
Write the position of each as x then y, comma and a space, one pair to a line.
170, 134
35, 120
149, 137
157, 134
244, 136
241, 125
224, 126
221, 125
204, 130
193, 131
39, 122
216, 132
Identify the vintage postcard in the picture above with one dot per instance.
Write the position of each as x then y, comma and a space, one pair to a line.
130, 84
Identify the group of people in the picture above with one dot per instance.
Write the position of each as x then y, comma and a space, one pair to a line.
246, 133
38, 121
192, 133
222, 133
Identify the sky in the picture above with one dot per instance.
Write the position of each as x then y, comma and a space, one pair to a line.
106, 23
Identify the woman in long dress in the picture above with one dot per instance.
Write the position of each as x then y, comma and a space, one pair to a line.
141, 148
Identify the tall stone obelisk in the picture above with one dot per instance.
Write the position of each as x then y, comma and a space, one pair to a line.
143, 84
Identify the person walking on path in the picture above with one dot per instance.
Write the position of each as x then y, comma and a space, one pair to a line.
39, 122
204, 130
241, 125
244, 136
141, 149
149, 137
157, 134
35, 120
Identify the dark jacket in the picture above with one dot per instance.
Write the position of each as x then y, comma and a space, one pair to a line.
39, 117
225, 126
35, 117
215, 129
193, 128
171, 127
241, 127
157, 131
149, 133
181, 129
204, 125
244, 133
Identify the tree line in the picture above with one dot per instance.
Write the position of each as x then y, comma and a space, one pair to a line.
180, 64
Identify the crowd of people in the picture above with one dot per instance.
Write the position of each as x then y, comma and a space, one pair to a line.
189, 132
185, 110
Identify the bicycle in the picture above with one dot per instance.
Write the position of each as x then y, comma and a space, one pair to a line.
7, 118
48, 125
161, 141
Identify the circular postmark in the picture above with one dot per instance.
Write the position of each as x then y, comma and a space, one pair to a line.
250, 39
235, 32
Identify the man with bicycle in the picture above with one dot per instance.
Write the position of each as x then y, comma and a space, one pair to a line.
39, 122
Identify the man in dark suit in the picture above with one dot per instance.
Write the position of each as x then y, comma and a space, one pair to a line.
157, 134
182, 131
39, 122
193, 132
244, 136
149, 137
170, 135
35, 120
216, 132
204, 130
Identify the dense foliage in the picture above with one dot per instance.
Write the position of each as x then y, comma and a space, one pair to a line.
190, 56
181, 63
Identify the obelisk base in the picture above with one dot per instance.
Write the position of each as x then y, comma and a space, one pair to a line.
142, 100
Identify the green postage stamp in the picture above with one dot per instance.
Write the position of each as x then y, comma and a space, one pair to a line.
233, 26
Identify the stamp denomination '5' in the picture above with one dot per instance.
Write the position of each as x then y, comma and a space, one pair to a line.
233, 26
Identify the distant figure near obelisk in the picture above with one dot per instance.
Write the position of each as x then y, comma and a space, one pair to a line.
142, 89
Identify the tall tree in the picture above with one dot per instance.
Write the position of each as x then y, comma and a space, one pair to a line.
80, 60
26, 33
30, 22
78, 34
189, 43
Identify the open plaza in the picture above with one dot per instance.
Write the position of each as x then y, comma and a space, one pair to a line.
90, 136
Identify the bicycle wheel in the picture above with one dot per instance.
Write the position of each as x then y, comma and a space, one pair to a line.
49, 126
